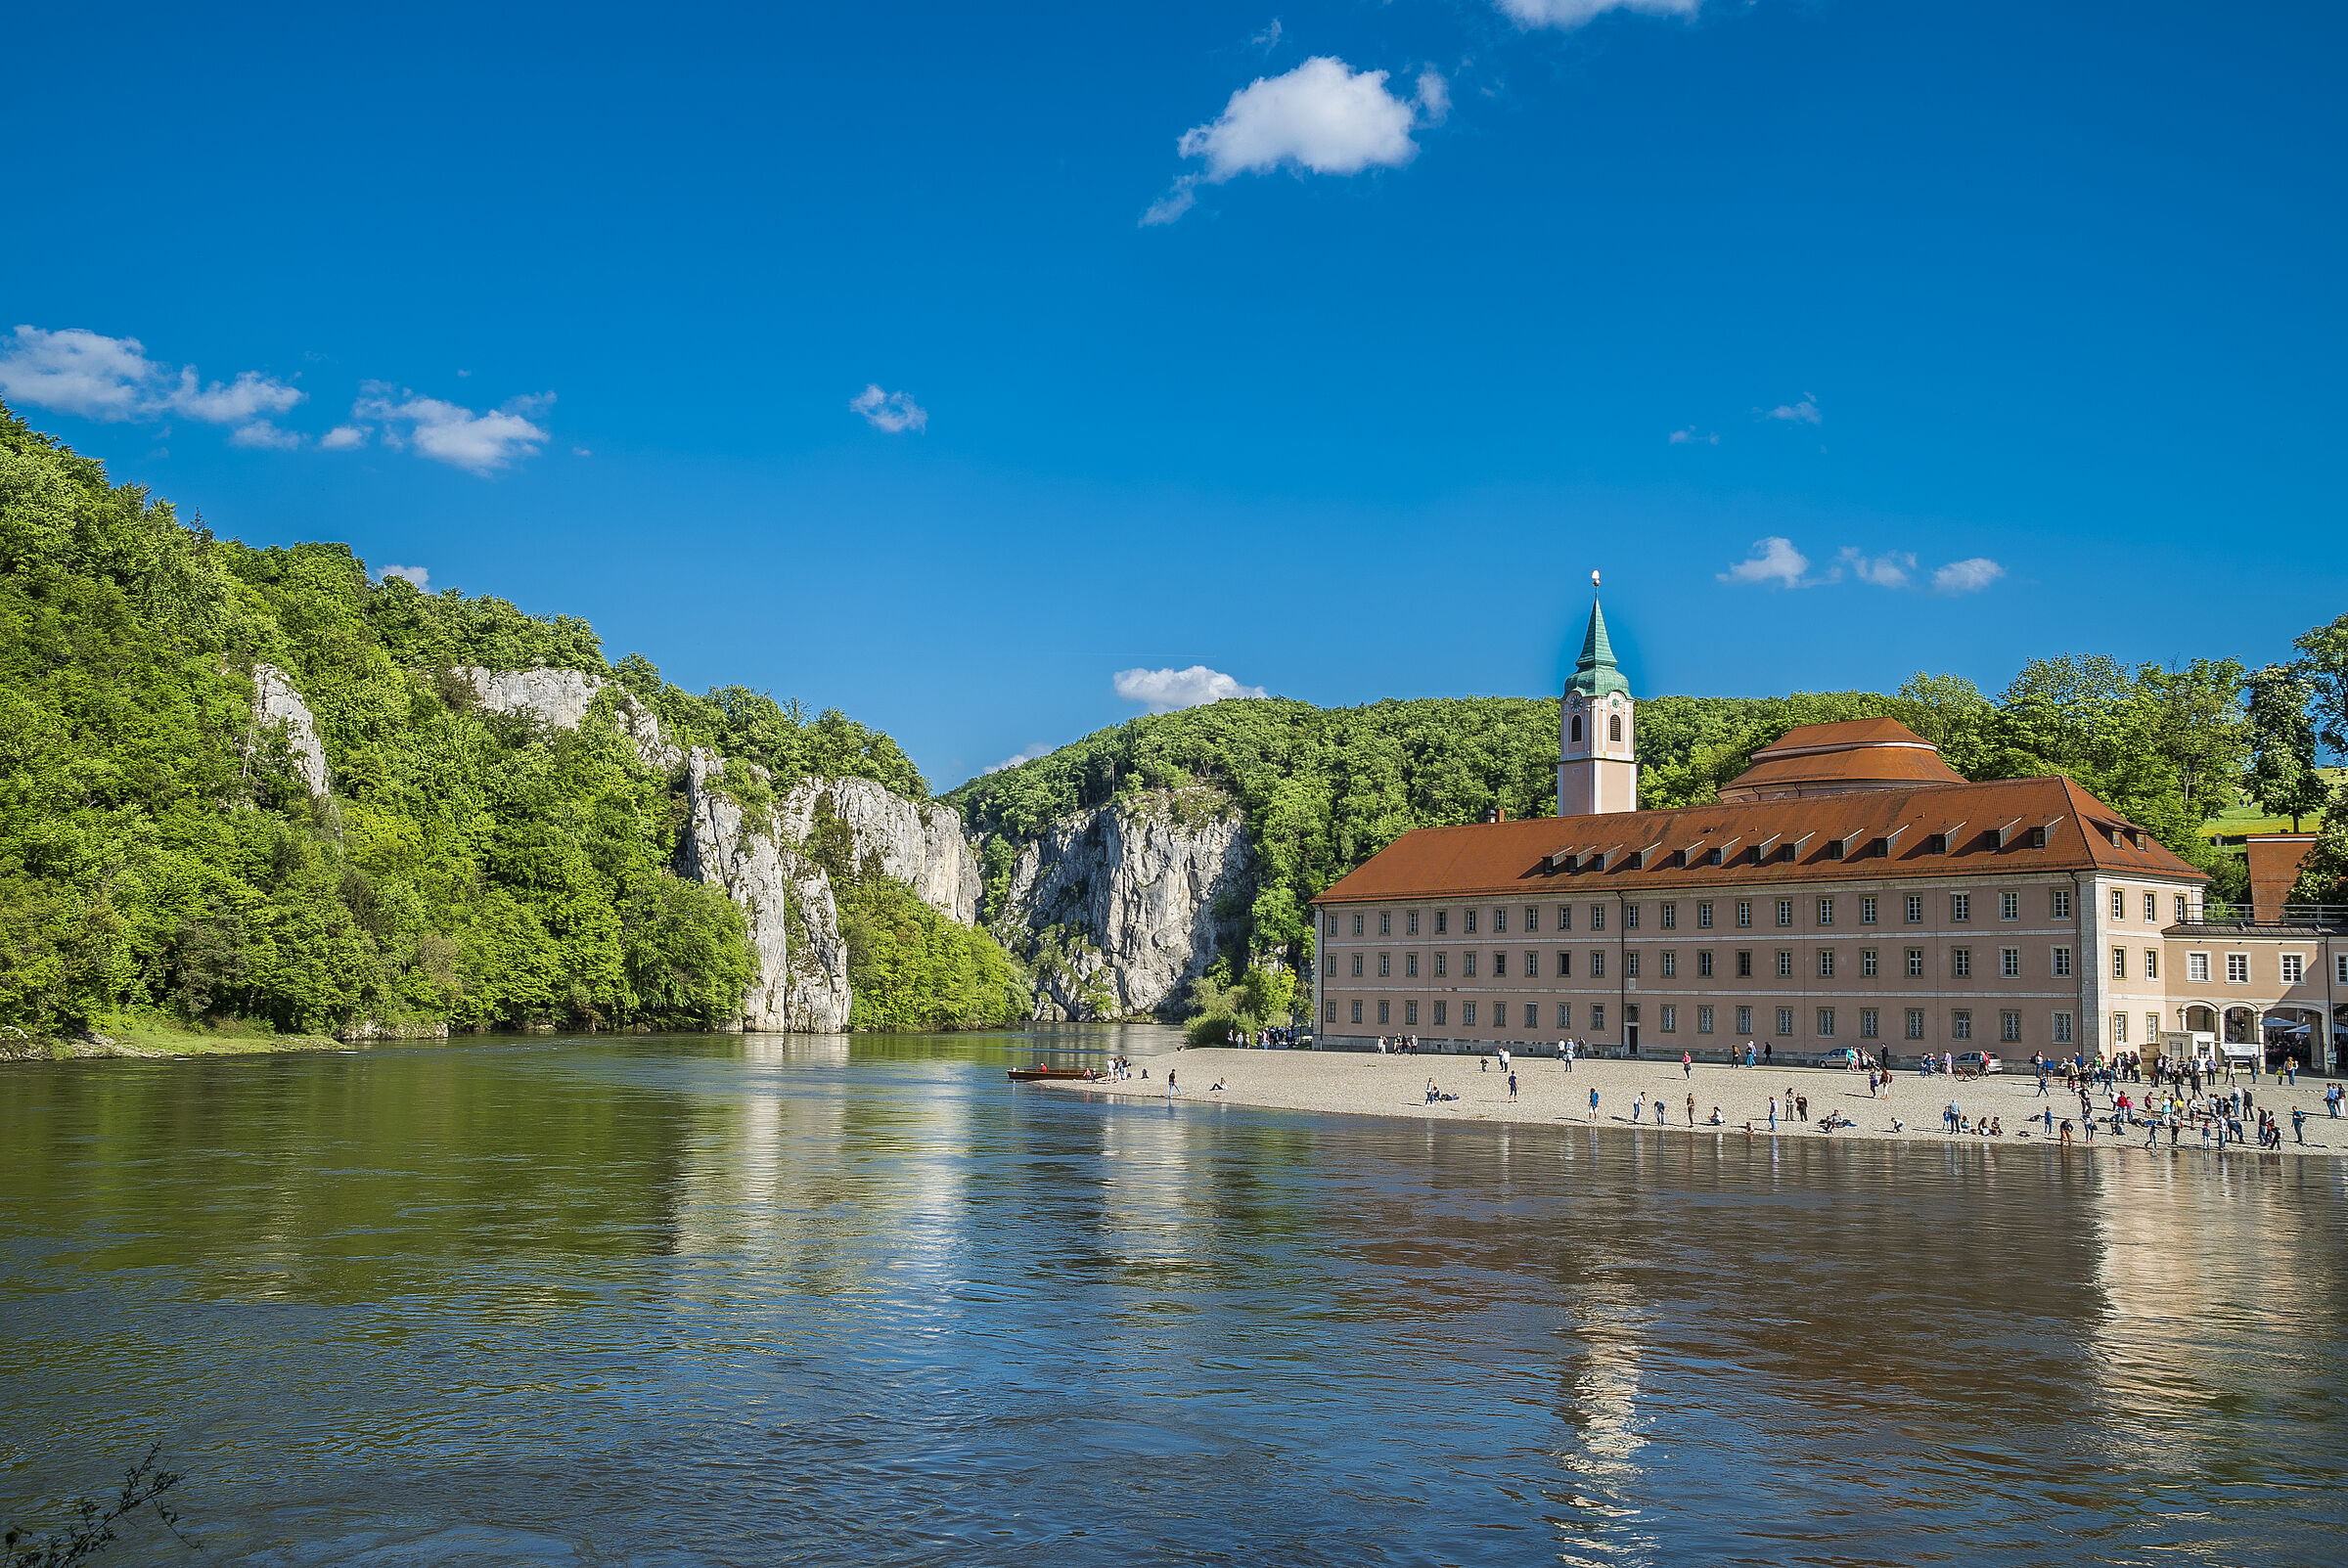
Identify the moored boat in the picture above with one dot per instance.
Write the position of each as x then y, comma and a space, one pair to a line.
1030, 1075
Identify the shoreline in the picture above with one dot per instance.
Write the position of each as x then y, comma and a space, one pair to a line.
1350, 1084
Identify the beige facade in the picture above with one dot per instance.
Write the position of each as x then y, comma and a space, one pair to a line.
2260, 984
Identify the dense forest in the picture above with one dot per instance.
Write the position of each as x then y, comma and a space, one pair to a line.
161, 857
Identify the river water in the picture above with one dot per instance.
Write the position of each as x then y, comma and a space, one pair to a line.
713, 1300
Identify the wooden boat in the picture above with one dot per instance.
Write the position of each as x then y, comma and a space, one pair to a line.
1040, 1073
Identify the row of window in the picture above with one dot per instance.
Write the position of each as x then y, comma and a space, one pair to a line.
2119, 906
1911, 907
1961, 963
1826, 1020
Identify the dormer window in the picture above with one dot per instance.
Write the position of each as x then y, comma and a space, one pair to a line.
1712, 857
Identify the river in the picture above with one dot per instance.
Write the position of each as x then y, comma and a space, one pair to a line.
723, 1300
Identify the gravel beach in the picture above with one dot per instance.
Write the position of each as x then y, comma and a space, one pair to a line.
1365, 1085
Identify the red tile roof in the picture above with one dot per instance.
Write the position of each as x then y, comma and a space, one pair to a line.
1519, 857
1855, 755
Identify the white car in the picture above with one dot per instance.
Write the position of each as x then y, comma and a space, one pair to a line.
1978, 1062
1844, 1059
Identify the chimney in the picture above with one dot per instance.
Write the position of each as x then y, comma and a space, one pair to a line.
1494, 814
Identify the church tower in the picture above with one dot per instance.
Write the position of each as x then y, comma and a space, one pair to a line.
1598, 761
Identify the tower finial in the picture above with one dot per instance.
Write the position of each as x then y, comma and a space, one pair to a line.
1594, 579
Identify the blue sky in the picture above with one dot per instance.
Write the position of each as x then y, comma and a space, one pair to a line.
577, 303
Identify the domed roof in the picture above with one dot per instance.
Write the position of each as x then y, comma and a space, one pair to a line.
1832, 759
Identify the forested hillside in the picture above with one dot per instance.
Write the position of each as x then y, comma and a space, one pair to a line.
159, 854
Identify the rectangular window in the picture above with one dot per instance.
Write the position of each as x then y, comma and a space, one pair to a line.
2058, 903
1468, 1014
1826, 1023
1825, 964
1500, 921
1381, 1013
2009, 963
2119, 903
2152, 909
2119, 1028
1357, 930
1961, 1024
1411, 923
1867, 963
1409, 1012
2151, 1027
1357, 1012
1915, 1023
1564, 965
1329, 964
1703, 917
1671, 917
1409, 965
1744, 963
2059, 961
1961, 907
1564, 916
2238, 969
1961, 963
1332, 1013
1784, 911
2151, 966
1630, 965
1598, 964
1500, 1015
1704, 1020
1915, 963
1357, 966
1867, 911
1532, 965
1333, 930
2009, 1027
2062, 1028
1385, 923
1467, 965
1532, 919
1785, 963
1671, 1018
2197, 968
1671, 965
1630, 917
1597, 917
1786, 1020
2010, 905
2340, 961
2294, 969
1442, 963
1870, 1023
1915, 909
1500, 965
1598, 1015
1441, 1007
1467, 921
1825, 911
1564, 1017
1442, 921
1385, 965
1745, 911
2119, 963
1703, 963
2183, 910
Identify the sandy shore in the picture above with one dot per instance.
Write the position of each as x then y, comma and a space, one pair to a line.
1358, 1085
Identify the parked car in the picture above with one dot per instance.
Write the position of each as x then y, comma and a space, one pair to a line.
1844, 1059
1973, 1062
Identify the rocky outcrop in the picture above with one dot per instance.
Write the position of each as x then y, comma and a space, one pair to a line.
276, 702
919, 843
562, 698
803, 981
1127, 903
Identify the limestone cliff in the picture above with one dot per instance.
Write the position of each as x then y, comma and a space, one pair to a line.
803, 981
1126, 904
917, 842
562, 699
275, 701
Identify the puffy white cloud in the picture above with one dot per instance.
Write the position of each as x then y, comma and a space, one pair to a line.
1894, 568
1804, 412
893, 412
478, 444
421, 576
1968, 576
1164, 691
264, 436
342, 439
1039, 749
1324, 117
1774, 561
1575, 12
78, 371
1690, 438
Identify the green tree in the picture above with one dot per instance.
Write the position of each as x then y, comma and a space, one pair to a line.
2283, 777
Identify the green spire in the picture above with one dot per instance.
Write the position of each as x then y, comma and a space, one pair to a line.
1593, 673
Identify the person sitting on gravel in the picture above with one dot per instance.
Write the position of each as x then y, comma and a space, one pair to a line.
1715, 1122
1898, 1126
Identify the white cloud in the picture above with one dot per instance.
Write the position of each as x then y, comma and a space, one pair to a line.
1164, 691
265, 436
342, 439
1269, 39
421, 576
78, 371
1968, 576
478, 444
1575, 12
1039, 749
1774, 561
1323, 117
1804, 412
1894, 568
1690, 438
893, 412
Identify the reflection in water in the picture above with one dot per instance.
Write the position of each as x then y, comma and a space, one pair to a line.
712, 1299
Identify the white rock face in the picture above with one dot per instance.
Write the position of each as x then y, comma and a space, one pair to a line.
561, 698
800, 986
275, 701
1139, 880
917, 842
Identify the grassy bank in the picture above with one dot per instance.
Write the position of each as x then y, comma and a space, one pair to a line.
160, 1038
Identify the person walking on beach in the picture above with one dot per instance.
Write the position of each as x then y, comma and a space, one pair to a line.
1512, 1088
1748, 1053
1773, 1113
1639, 1105
1172, 1091
1594, 1104
1565, 1049
1692, 1111
1686, 1065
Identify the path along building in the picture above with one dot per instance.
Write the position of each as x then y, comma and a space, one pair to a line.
1849, 889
